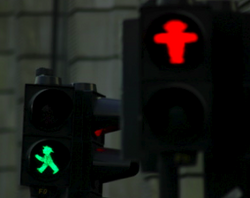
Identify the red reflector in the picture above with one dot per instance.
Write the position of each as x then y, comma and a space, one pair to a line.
100, 149
106, 130
98, 132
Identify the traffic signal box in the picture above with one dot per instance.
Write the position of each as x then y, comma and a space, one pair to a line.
176, 78
63, 139
186, 88
47, 134
172, 69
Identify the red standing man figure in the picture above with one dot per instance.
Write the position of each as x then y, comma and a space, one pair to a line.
175, 39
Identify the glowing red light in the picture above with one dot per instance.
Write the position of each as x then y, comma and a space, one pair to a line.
98, 132
175, 40
100, 149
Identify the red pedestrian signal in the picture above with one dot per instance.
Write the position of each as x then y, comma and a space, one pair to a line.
167, 82
175, 40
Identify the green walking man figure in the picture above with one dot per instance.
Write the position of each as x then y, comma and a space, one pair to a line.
47, 160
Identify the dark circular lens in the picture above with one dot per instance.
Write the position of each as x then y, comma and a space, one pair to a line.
50, 108
48, 159
175, 116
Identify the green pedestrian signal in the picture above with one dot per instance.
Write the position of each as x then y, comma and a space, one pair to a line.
48, 136
47, 160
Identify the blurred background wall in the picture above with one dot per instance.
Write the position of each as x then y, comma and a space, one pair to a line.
89, 50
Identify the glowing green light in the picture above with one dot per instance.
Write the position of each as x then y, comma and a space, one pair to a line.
47, 160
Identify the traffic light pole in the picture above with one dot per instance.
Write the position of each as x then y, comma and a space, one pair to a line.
168, 173
168, 164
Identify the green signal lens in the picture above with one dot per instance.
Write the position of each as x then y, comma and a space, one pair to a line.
47, 160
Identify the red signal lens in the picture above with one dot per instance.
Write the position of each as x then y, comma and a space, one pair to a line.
175, 39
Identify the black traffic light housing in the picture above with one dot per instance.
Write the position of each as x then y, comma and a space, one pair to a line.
170, 103
179, 108
107, 163
63, 139
48, 121
176, 87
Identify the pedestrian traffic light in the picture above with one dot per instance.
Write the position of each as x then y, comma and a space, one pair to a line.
47, 131
63, 139
176, 77
173, 79
186, 88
